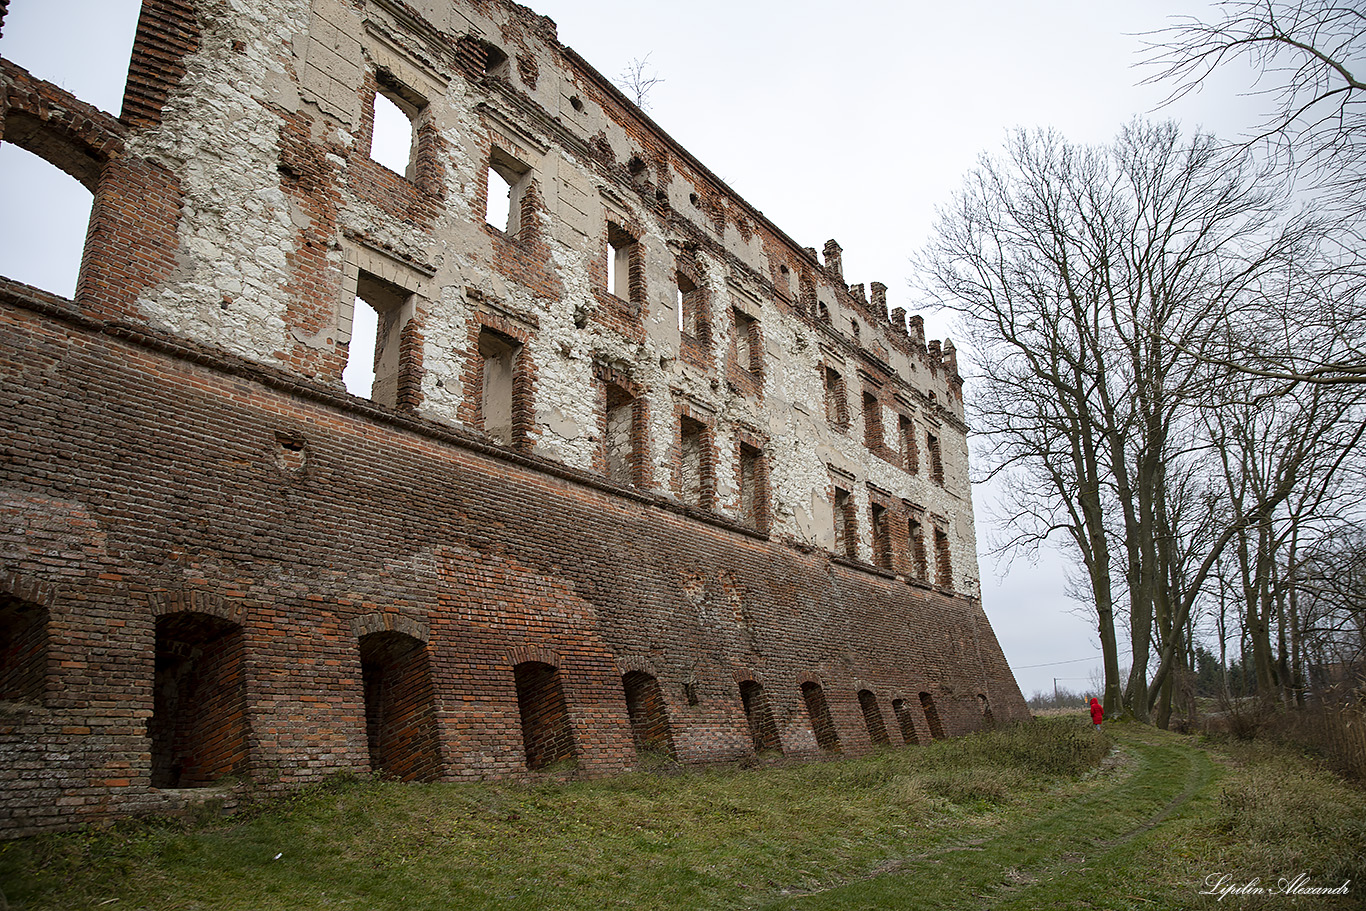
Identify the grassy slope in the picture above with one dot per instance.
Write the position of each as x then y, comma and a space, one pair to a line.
1009, 819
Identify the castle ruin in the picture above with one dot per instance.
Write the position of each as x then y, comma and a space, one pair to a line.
636, 473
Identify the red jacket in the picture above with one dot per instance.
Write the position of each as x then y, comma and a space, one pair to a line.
1097, 713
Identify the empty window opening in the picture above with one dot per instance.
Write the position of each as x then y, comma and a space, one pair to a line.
753, 487
44, 247
621, 251
649, 716
916, 534
747, 343
692, 321
546, 731
400, 715
936, 463
882, 537
904, 721
495, 60
823, 312
987, 718
624, 440
931, 716
836, 402
872, 718
393, 142
508, 179
695, 482
23, 650
762, 729
854, 327
690, 694
910, 452
872, 422
498, 391
50, 43
942, 559
819, 712
198, 727
846, 526
374, 353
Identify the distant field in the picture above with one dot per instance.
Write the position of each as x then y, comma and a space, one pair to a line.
1045, 815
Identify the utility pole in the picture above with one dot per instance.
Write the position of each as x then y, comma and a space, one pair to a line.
1056, 703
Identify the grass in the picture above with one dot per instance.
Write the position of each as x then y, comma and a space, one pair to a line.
1030, 817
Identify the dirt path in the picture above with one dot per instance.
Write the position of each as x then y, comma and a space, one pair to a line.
1074, 856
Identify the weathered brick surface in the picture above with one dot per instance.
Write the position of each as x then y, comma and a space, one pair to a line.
218, 567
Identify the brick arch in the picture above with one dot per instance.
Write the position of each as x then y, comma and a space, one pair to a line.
135, 210
524, 653
69, 134
391, 622
806, 677
199, 601
26, 588
628, 663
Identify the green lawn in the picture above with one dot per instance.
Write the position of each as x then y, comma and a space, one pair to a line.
1047, 815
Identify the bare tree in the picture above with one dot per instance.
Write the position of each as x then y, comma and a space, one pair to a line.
1089, 281
1309, 56
637, 82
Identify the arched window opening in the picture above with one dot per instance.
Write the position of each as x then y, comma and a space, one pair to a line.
88, 56
23, 650
931, 716
904, 721
872, 717
198, 727
821, 723
987, 718
649, 716
761, 726
400, 715
546, 731
44, 221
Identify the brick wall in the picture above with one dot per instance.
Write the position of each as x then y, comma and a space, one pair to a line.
216, 566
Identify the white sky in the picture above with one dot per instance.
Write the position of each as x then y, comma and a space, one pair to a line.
851, 120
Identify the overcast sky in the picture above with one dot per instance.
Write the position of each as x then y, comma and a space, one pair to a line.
848, 120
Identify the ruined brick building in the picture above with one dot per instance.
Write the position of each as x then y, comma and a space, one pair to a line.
637, 472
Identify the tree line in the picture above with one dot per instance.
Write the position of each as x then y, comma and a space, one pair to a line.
1171, 334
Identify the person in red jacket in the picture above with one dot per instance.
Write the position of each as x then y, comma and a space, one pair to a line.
1097, 713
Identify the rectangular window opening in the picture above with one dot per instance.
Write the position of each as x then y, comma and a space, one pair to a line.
374, 363
747, 354
753, 493
943, 559
621, 247
394, 136
916, 533
695, 481
936, 462
622, 442
498, 395
872, 422
882, 539
836, 405
507, 183
846, 539
690, 319
910, 451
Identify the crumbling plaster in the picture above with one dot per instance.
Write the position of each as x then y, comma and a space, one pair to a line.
235, 278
